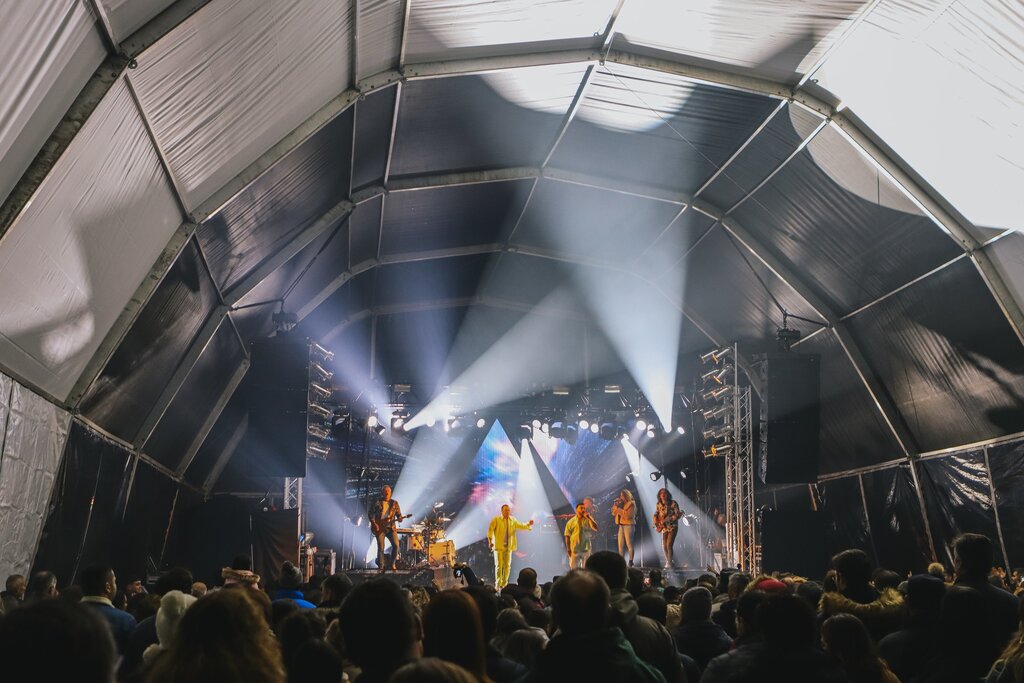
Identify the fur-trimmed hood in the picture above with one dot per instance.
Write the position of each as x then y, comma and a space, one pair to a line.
881, 616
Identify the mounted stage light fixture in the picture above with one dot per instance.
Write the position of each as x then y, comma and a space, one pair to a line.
716, 413
322, 392
717, 376
656, 475
372, 421
320, 410
317, 451
324, 353
718, 450
317, 431
716, 356
716, 394
608, 431
322, 373
481, 423
594, 428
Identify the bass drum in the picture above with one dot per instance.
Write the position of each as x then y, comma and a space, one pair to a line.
442, 554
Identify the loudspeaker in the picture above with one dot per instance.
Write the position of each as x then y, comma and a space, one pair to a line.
793, 541
790, 418
277, 387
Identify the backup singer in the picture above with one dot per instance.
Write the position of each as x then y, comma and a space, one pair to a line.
384, 515
624, 514
501, 539
578, 533
666, 521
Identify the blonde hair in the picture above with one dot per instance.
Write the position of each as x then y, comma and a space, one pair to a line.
628, 494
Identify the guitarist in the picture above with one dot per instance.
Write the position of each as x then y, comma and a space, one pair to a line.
384, 515
666, 522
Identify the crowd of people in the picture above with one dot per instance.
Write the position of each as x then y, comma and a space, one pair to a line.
604, 622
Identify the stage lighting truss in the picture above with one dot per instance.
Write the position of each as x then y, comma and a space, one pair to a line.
321, 415
727, 433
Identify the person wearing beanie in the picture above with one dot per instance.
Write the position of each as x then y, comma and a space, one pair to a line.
172, 606
290, 581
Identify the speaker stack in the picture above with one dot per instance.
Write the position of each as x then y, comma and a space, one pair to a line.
790, 418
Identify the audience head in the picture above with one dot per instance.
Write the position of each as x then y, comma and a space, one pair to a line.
172, 608
846, 637
937, 570
539, 618
16, 585
696, 605
738, 582
290, 576
527, 578
653, 606
489, 607
924, 595
672, 594
54, 640
296, 630
579, 603
884, 579
223, 637
509, 621
786, 622
452, 631
635, 582
432, 670
279, 611
198, 589
315, 662
811, 592
657, 580
746, 612
98, 580
972, 557
42, 585
853, 569
609, 566
371, 609
334, 589
177, 579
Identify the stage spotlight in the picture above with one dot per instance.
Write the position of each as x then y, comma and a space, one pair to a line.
525, 431
651, 431
315, 450
545, 428
372, 421
629, 477
719, 450
716, 356
719, 432
320, 410
536, 423
322, 392
377, 429
624, 437
431, 422
680, 430
317, 431
398, 424
595, 428
322, 373
641, 424
715, 394
608, 431
560, 391
571, 434
481, 423
584, 424
720, 411
612, 389
321, 351
717, 376
455, 423
655, 475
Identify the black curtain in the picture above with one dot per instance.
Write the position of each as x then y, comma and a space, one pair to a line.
1007, 464
897, 526
840, 503
274, 541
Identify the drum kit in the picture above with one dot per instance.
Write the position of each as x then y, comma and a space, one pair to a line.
426, 542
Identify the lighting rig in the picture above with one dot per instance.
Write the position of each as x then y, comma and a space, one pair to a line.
728, 433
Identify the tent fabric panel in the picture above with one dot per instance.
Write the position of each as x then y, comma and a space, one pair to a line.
666, 252
846, 520
439, 29
216, 441
773, 40
1007, 255
380, 35
502, 119
196, 398
31, 445
766, 152
364, 231
853, 433
1007, 468
451, 217
84, 515
77, 253
897, 528
281, 203
941, 84
529, 279
374, 118
722, 288
853, 232
948, 357
121, 397
657, 129
415, 348
49, 51
229, 82
354, 297
127, 16
591, 223
957, 499
330, 260
449, 278
144, 526
276, 285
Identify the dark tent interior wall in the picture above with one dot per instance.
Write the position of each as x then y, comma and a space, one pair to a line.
513, 197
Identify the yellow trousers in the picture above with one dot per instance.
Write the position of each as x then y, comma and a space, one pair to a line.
502, 567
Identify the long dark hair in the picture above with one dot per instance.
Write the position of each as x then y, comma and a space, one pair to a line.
668, 495
1014, 652
453, 631
846, 637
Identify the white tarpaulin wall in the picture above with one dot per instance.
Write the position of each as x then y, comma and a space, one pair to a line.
34, 431
48, 50
77, 254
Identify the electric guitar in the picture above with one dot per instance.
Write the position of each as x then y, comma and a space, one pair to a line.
378, 526
661, 524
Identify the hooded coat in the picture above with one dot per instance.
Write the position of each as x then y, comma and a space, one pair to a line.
881, 616
650, 640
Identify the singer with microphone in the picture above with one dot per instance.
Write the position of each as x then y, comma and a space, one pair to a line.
624, 514
579, 532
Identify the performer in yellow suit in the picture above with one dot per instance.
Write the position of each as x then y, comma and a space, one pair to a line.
501, 539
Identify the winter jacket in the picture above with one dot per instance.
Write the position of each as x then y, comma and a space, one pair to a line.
650, 640
881, 616
702, 640
602, 656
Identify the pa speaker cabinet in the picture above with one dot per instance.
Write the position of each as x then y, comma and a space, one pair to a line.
790, 418
277, 387
793, 541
